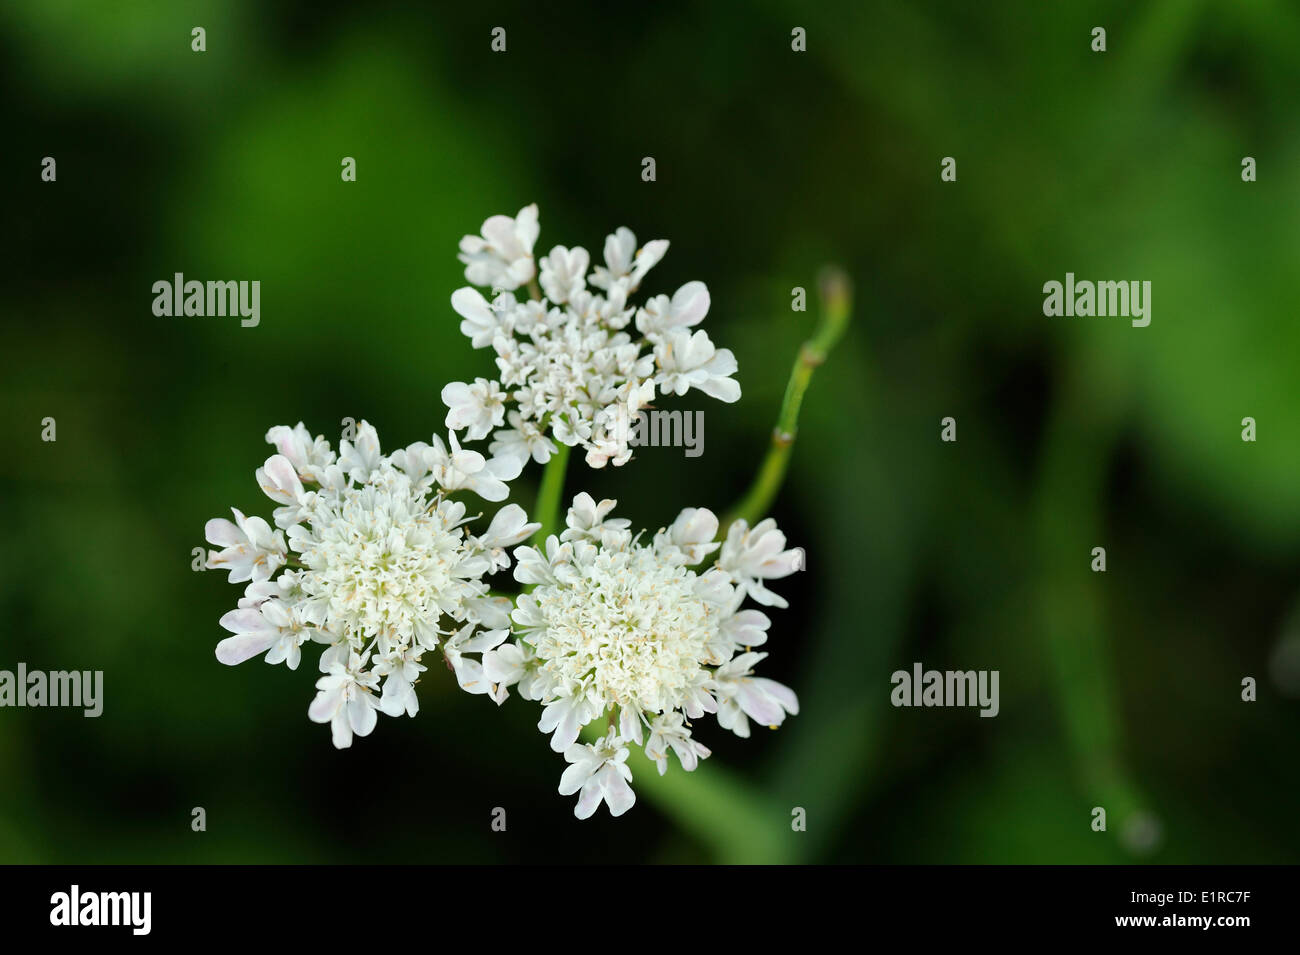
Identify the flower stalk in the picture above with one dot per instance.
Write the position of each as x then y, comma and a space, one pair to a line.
836, 292
549, 494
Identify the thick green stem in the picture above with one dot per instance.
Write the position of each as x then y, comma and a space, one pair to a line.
550, 493
836, 306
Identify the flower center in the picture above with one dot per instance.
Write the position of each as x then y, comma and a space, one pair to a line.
632, 626
380, 559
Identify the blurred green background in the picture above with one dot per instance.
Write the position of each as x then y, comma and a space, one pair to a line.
1119, 689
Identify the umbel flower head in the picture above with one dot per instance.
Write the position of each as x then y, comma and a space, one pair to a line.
579, 359
641, 635
374, 561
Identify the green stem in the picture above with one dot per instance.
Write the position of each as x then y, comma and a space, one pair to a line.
836, 306
549, 494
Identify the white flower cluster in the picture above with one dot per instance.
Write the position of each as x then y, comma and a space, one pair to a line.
375, 562
620, 630
569, 367
372, 555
